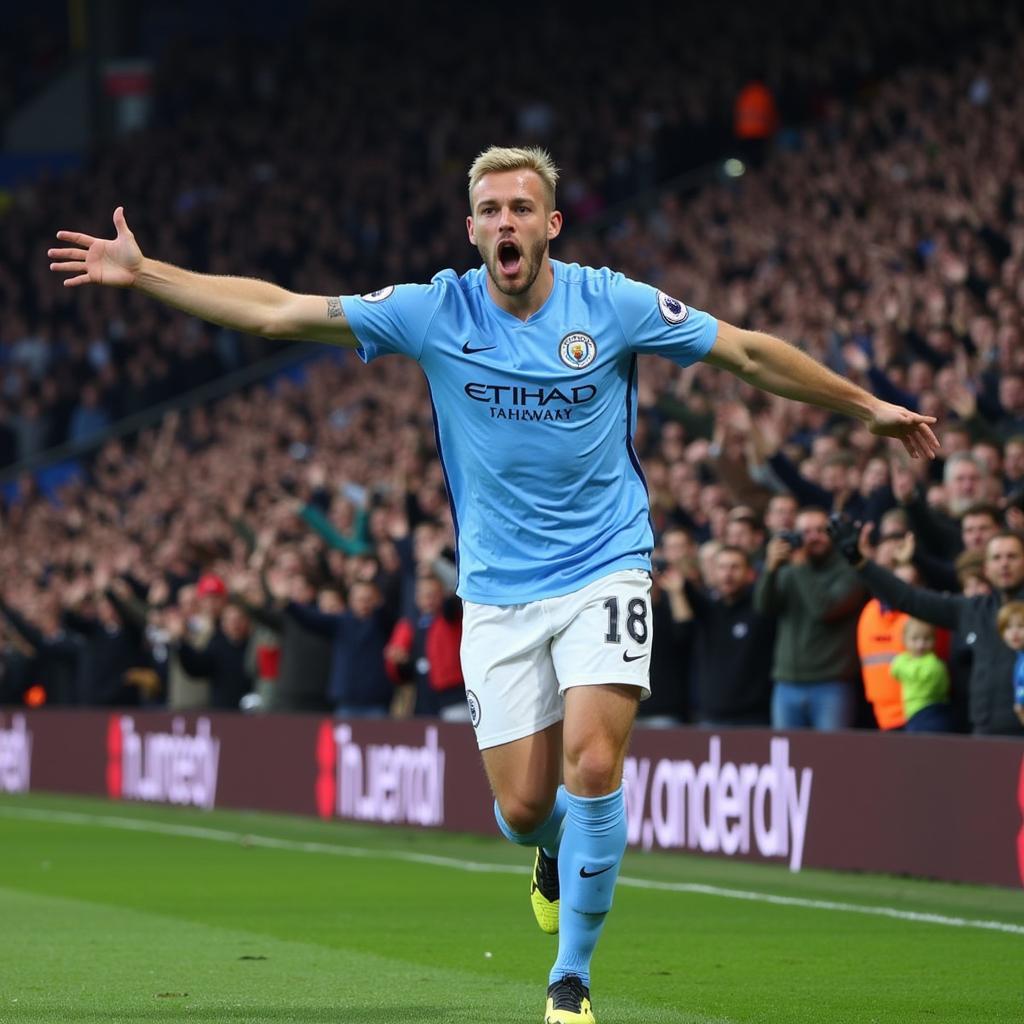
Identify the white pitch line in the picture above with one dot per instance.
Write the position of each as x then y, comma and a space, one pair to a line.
273, 843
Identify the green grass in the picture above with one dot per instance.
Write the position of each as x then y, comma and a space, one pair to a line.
231, 917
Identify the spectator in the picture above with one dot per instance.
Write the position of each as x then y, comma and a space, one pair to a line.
816, 600
359, 685
304, 661
56, 652
222, 661
990, 695
880, 632
89, 418
110, 648
1011, 628
923, 679
673, 560
425, 651
780, 516
729, 639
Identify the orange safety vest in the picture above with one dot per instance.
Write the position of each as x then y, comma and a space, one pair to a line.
879, 640
755, 115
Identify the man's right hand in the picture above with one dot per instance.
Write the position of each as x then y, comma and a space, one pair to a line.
777, 553
111, 261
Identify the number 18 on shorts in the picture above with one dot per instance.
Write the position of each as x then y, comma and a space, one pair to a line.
518, 660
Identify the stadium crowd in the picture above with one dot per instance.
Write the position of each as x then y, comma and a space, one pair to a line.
291, 547
298, 159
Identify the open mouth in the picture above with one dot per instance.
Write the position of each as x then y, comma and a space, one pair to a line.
509, 258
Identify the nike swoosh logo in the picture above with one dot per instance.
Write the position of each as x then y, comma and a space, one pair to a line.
626, 656
584, 873
470, 351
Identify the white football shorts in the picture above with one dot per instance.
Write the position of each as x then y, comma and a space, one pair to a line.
518, 660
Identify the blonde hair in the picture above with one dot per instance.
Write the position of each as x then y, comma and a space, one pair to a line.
1010, 611
514, 158
913, 624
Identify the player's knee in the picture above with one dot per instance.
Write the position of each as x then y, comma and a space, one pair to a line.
593, 770
522, 815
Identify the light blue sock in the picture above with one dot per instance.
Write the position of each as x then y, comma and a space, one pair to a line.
588, 865
548, 835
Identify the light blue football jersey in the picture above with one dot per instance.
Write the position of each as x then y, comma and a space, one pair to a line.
534, 420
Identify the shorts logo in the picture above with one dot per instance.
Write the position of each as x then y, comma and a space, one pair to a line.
577, 350
474, 708
379, 295
672, 310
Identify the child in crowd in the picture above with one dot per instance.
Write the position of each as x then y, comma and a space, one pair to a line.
1011, 628
924, 679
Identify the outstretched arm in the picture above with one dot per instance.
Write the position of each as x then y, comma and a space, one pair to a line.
241, 303
776, 366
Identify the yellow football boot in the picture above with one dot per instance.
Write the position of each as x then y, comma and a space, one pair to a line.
544, 892
568, 1002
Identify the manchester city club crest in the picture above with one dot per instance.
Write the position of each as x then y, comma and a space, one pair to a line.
379, 295
577, 350
474, 708
672, 310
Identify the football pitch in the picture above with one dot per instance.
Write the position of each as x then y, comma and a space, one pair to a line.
121, 912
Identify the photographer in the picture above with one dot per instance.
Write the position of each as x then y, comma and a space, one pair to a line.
816, 599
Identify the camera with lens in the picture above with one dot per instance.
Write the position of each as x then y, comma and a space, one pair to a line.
792, 537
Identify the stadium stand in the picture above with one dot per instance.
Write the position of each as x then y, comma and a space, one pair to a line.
874, 235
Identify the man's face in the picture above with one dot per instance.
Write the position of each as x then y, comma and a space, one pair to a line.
876, 474
429, 595
781, 514
1013, 463
741, 534
512, 227
731, 573
676, 547
964, 481
813, 527
977, 530
1011, 395
833, 477
1004, 563
362, 600
234, 624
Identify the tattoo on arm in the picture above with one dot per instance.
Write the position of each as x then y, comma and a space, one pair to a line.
334, 309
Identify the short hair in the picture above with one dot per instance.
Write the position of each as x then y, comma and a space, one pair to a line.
1005, 535
731, 549
816, 510
983, 508
919, 622
1010, 610
515, 158
968, 565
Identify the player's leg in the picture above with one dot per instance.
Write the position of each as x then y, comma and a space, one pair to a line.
598, 721
602, 657
524, 776
517, 710
529, 806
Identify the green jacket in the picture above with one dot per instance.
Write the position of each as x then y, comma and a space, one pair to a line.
816, 609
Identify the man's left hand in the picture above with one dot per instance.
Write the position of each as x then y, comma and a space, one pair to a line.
911, 428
